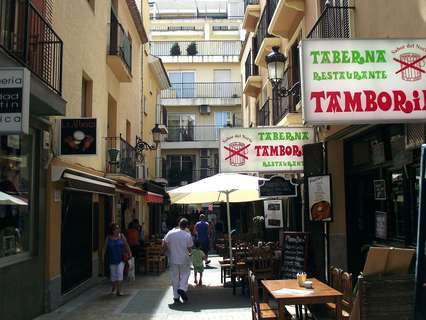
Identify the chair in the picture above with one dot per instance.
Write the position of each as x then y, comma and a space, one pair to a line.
259, 310
240, 269
386, 297
262, 263
342, 281
225, 270
155, 260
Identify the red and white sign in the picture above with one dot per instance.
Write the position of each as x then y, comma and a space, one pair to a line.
363, 81
263, 149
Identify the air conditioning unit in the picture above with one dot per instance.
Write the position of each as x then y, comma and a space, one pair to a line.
205, 109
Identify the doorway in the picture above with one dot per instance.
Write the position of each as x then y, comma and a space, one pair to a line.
76, 242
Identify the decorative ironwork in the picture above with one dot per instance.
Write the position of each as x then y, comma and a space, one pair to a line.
141, 146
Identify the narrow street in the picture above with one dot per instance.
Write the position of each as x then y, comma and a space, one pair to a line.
150, 297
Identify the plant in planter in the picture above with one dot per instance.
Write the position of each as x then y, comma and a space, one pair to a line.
191, 50
175, 49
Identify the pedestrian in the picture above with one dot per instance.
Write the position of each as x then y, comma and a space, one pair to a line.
202, 232
118, 250
178, 244
133, 239
198, 256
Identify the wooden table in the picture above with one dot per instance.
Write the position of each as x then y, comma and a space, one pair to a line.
321, 293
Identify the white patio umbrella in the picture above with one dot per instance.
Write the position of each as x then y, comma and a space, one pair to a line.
7, 199
222, 187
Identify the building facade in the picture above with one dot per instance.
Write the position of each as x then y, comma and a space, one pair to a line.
93, 178
32, 57
355, 155
200, 48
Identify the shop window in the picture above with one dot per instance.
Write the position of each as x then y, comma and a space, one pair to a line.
15, 194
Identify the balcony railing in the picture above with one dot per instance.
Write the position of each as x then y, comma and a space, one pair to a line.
29, 38
203, 48
196, 16
334, 22
177, 177
250, 68
281, 106
249, 2
119, 42
265, 20
202, 90
177, 28
263, 114
193, 133
121, 157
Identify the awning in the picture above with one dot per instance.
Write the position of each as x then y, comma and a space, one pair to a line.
152, 197
80, 180
127, 188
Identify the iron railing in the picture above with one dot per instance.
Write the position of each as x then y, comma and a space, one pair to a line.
193, 133
251, 69
249, 2
203, 48
119, 42
262, 118
281, 106
29, 38
177, 177
121, 157
177, 28
265, 20
334, 22
196, 16
202, 90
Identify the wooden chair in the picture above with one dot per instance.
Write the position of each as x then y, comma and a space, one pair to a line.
335, 278
225, 270
346, 287
262, 263
239, 270
155, 260
259, 310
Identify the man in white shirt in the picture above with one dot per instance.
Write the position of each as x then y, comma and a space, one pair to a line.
178, 244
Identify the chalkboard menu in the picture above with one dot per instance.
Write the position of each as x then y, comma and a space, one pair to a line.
294, 257
278, 187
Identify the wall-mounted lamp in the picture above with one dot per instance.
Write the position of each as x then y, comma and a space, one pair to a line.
276, 70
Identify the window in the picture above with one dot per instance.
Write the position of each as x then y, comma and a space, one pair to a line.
183, 82
221, 120
180, 169
181, 127
16, 158
86, 96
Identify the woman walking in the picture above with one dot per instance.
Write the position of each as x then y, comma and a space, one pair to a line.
117, 249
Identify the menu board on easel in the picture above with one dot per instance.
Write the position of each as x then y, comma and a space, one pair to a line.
295, 253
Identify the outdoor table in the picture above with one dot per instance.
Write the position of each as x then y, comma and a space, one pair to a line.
293, 294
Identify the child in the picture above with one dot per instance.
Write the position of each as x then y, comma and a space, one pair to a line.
197, 261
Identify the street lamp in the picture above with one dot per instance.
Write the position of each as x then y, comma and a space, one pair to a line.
276, 70
156, 134
142, 145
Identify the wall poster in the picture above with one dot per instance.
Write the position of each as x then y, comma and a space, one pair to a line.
381, 225
319, 191
273, 214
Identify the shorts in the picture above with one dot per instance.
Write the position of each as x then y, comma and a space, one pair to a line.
205, 247
116, 271
198, 268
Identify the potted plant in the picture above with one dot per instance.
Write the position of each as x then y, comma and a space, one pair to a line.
175, 49
191, 50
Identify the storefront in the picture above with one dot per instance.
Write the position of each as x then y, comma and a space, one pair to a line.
382, 173
154, 201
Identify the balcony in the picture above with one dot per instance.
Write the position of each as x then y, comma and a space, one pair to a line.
119, 56
287, 17
263, 113
284, 108
120, 158
202, 52
264, 40
35, 46
334, 22
202, 93
251, 15
177, 177
253, 83
192, 137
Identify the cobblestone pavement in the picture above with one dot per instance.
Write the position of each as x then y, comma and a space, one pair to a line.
150, 298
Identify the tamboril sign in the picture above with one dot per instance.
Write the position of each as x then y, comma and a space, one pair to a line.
263, 149
363, 81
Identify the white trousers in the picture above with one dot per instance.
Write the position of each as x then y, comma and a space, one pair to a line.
179, 273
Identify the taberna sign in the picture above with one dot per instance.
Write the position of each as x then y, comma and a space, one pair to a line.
363, 81
263, 149
14, 100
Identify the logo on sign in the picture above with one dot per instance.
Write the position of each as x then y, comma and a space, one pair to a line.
411, 63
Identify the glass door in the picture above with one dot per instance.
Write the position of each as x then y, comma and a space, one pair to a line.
183, 82
181, 127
